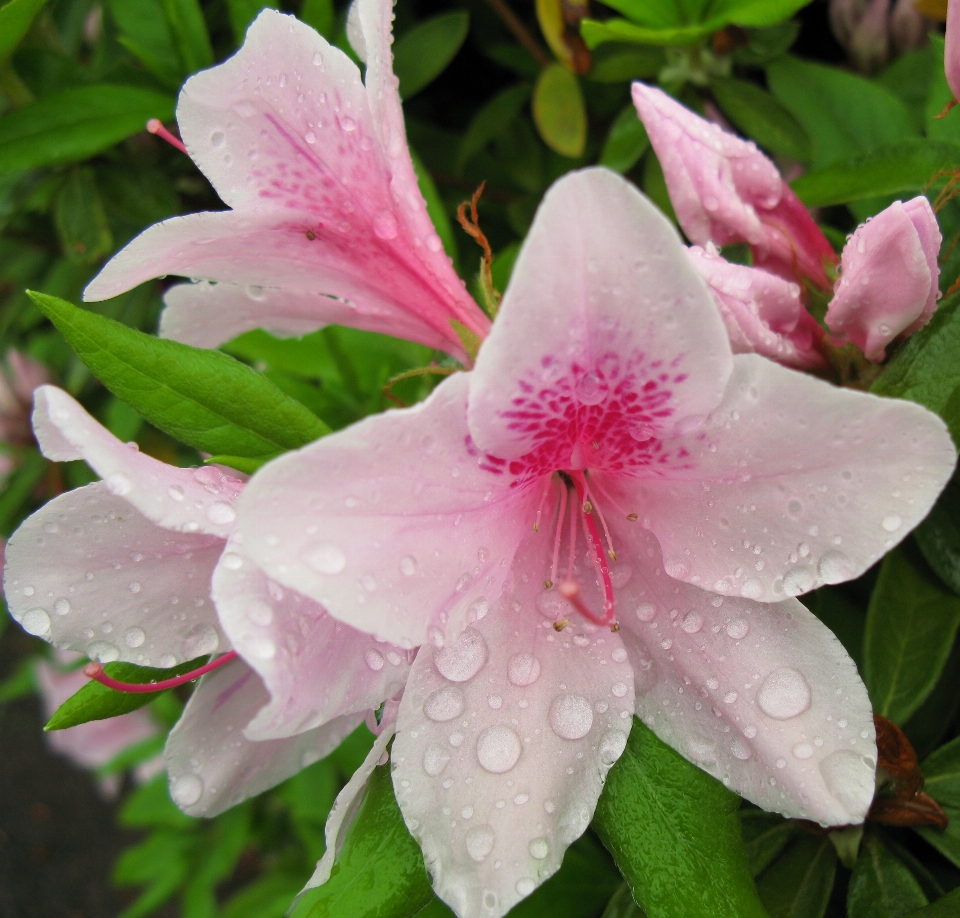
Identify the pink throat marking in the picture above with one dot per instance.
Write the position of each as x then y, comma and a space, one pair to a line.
95, 671
155, 126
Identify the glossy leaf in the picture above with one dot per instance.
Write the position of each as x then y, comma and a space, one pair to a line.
755, 112
423, 53
939, 536
559, 111
904, 167
942, 773
674, 832
379, 871
76, 124
80, 219
911, 625
798, 884
621, 905
882, 886
492, 120
16, 17
626, 142
202, 398
97, 702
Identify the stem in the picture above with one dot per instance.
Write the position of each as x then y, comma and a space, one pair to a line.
520, 32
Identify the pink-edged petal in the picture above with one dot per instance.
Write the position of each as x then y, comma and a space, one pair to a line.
287, 128
951, 54
184, 500
315, 667
504, 739
346, 805
96, 742
792, 483
208, 314
393, 524
606, 335
762, 696
212, 766
88, 573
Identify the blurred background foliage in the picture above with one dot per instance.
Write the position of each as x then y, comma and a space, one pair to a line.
512, 93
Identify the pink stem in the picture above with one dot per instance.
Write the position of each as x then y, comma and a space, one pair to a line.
95, 671
155, 126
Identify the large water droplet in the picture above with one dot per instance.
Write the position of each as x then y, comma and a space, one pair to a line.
327, 558
702, 750
444, 704
692, 622
751, 589
103, 651
612, 746
646, 611
36, 622
385, 225
374, 661
892, 522
523, 669
571, 716
784, 694
590, 389
62, 606
498, 749
738, 629
835, 567
740, 750
799, 580
232, 561
186, 790
435, 760
479, 842
539, 848
850, 780
526, 885
134, 637
221, 513
118, 484
463, 659
676, 567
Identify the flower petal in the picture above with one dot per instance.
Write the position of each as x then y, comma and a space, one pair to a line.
504, 739
792, 483
286, 130
87, 572
208, 314
605, 326
392, 523
761, 696
314, 667
212, 766
183, 500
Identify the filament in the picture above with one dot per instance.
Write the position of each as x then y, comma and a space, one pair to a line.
155, 126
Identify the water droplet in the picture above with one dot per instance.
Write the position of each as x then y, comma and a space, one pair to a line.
217, 138
221, 513
495, 702
36, 622
539, 848
134, 637
619, 655
348, 124
892, 522
260, 648
259, 612
794, 508
835, 567
385, 225
408, 565
327, 558
103, 651
167, 660
463, 659
751, 589
676, 568
750, 732
646, 611
186, 790
434, 243
523, 669
738, 629
444, 704
317, 60
849, 779
204, 641
62, 606
134, 586
571, 716
612, 746
175, 492
799, 580
498, 748
702, 750
619, 689
118, 484
435, 760
374, 660
784, 694
590, 389
310, 138
525, 886
479, 842
730, 698
692, 622
803, 750
740, 750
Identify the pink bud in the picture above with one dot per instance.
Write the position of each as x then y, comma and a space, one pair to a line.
17, 382
724, 190
889, 274
763, 313
863, 28
951, 55
908, 28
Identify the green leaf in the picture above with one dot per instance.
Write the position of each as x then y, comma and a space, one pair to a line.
559, 111
243, 12
595, 33
674, 832
18, 488
881, 886
202, 398
321, 15
76, 124
939, 536
97, 702
190, 34
947, 907
492, 120
765, 835
755, 112
942, 774
379, 871
150, 806
906, 166
621, 905
842, 114
145, 32
16, 17
911, 625
909, 78
423, 53
845, 619
269, 896
21, 681
799, 883
626, 142
79, 217
621, 63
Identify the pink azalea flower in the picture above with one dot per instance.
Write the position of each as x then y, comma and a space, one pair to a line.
763, 312
951, 53
528, 505
17, 382
326, 221
889, 281
123, 569
94, 744
724, 190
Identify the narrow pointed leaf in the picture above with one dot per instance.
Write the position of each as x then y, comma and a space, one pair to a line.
423, 53
882, 886
798, 884
16, 17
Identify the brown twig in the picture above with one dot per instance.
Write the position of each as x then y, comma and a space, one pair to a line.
521, 32
471, 226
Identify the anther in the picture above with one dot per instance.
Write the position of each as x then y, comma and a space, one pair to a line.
611, 554
547, 584
155, 126
560, 624
615, 627
536, 527
587, 507
632, 517
596, 445
95, 671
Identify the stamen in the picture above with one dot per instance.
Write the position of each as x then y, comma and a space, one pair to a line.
560, 624
611, 553
95, 671
556, 539
596, 486
155, 126
572, 555
547, 584
543, 497
570, 591
599, 560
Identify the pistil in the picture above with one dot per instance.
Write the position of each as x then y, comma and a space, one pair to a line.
95, 671
155, 126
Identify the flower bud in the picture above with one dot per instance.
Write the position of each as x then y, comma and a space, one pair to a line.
951, 54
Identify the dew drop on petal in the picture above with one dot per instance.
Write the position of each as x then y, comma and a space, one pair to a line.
259, 612
221, 513
612, 746
892, 522
408, 565
784, 694
36, 622
738, 629
464, 658
835, 567
327, 558
646, 611
134, 637
103, 651
175, 492
498, 748
62, 606
523, 669
444, 704
619, 689
676, 567
571, 716
118, 484
751, 589
232, 561
539, 848
479, 842
525, 886
692, 622
186, 790
385, 225
374, 660
435, 760
740, 750
849, 779
799, 580
590, 389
